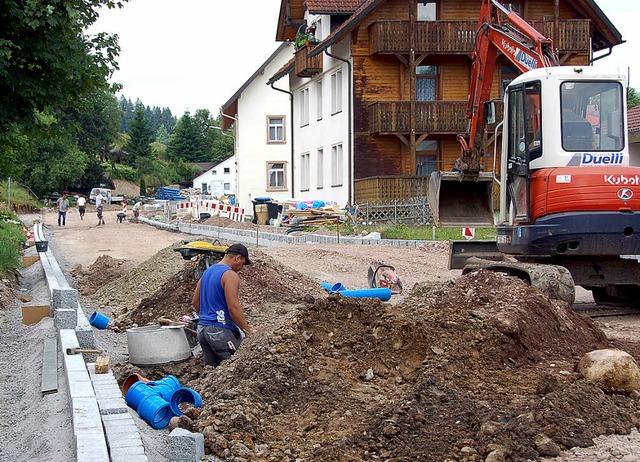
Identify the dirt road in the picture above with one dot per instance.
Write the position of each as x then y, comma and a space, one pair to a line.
446, 381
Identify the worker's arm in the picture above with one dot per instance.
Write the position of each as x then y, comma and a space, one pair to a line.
195, 301
231, 285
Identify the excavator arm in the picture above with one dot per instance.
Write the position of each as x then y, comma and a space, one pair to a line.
523, 45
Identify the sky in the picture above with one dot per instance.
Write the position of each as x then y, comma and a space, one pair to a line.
195, 54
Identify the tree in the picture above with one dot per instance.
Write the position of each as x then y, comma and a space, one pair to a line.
186, 143
46, 60
140, 137
162, 135
633, 98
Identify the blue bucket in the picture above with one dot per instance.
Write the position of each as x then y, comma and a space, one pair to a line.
98, 320
155, 411
165, 386
184, 395
137, 392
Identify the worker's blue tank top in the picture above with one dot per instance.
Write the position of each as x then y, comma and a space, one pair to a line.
213, 305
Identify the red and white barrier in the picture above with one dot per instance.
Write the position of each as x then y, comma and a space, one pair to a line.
197, 206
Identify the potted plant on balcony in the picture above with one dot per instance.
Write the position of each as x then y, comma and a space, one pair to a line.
306, 37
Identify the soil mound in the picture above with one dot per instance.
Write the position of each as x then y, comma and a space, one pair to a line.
479, 366
265, 288
100, 273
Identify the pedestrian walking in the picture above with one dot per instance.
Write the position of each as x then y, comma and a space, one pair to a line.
100, 207
82, 203
63, 205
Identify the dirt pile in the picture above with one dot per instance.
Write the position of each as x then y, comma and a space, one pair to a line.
482, 365
137, 283
99, 274
266, 287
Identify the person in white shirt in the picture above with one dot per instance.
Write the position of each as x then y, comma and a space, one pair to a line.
100, 207
136, 211
82, 202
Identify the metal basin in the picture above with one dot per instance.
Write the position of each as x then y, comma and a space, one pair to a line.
151, 345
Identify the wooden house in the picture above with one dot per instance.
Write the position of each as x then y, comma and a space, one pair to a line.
405, 67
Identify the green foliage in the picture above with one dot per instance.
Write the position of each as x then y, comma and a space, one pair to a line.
19, 195
11, 239
140, 137
143, 187
123, 172
187, 142
46, 60
633, 98
162, 135
157, 117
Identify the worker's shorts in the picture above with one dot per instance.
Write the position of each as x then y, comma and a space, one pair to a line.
217, 343
99, 211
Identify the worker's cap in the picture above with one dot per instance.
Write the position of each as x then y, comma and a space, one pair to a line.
239, 249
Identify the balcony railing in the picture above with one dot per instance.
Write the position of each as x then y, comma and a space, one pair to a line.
436, 117
307, 66
386, 189
458, 37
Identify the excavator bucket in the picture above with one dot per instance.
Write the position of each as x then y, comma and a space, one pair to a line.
461, 200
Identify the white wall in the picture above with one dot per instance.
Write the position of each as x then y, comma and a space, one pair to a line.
332, 130
253, 152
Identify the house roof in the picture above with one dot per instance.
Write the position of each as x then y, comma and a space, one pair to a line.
284, 70
633, 119
230, 108
203, 165
333, 6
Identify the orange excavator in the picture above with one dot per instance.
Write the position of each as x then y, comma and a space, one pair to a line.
569, 192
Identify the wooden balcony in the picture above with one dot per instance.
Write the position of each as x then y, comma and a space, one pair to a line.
435, 117
458, 37
306, 66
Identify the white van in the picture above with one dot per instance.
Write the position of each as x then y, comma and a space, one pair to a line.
106, 193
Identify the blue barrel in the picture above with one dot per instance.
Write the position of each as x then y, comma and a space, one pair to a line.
155, 411
137, 392
184, 395
165, 386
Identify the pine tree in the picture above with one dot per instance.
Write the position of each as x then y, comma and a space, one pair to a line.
186, 142
140, 136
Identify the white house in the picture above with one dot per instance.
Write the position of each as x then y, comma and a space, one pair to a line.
260, 115
322, 122
219, 180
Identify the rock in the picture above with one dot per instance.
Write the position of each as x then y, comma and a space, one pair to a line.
616, 370
24, 298
546, 447
368, 377
497, 453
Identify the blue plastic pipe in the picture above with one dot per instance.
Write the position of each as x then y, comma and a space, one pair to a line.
337, 287
383, 293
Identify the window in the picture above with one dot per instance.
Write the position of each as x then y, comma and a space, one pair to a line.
336, 165
275, 129
276, 175
304, 107
508, 72
305, 172
227, 170
426, 83
591, 117
427, 10
320, 170
214, 172
204, 188
319, 100
227, 186
426, 157
336, 92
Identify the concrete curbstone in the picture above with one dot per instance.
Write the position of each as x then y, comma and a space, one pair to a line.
185, 446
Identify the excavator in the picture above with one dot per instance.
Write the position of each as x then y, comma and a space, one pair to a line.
568, 190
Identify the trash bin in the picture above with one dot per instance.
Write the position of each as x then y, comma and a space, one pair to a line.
261, 210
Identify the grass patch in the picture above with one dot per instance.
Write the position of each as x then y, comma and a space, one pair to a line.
415, 233
11, 239
19, 195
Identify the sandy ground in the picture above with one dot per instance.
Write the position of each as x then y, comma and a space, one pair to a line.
82, 241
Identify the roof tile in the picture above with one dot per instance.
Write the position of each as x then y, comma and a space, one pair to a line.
633, 119
333, 6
